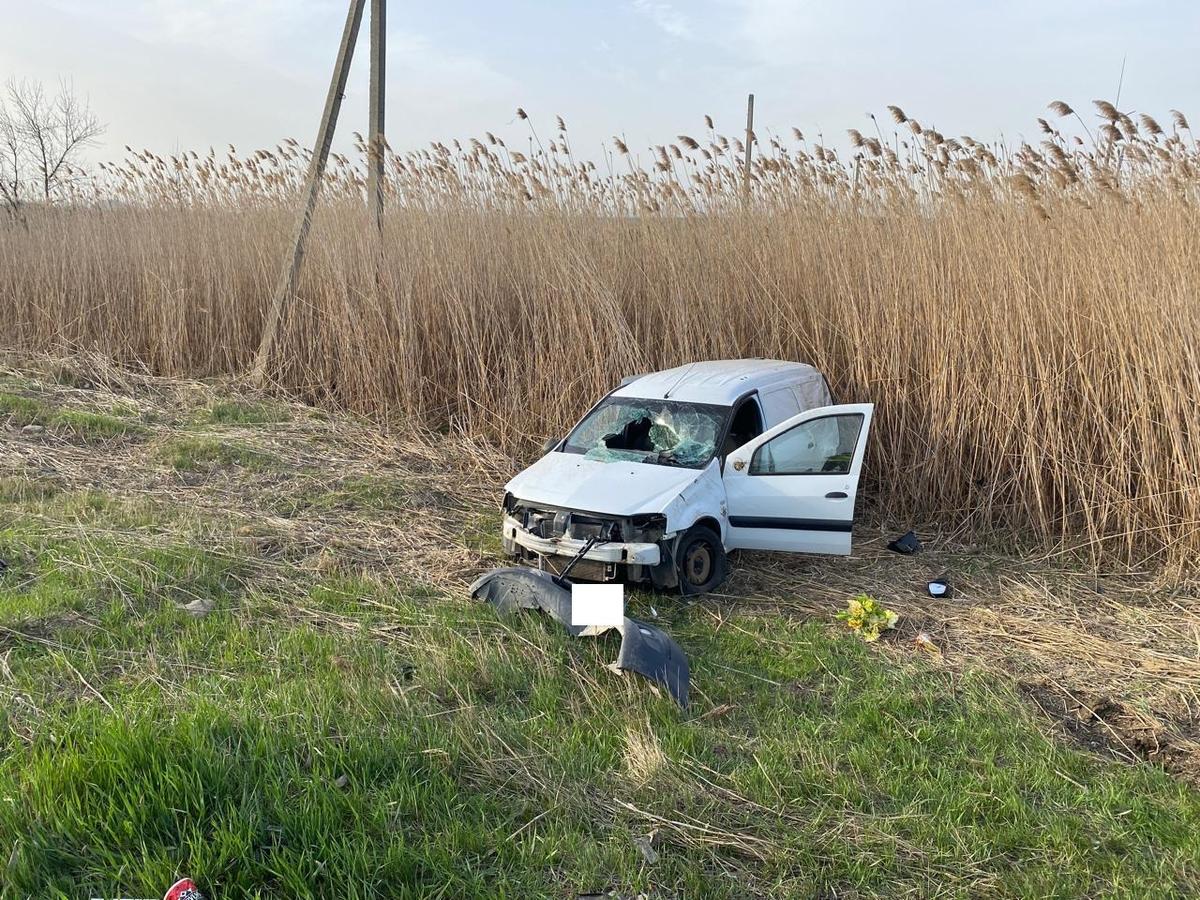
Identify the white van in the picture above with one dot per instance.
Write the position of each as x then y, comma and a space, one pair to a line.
673, 469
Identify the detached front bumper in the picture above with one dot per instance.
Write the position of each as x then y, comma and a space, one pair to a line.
613, 553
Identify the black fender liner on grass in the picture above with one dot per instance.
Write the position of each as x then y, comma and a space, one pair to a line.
645, 649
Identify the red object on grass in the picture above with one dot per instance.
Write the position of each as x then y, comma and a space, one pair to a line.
183, 889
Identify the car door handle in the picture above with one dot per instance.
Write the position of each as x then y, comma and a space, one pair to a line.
836, 495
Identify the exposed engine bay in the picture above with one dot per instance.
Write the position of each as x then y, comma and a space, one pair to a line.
639, 546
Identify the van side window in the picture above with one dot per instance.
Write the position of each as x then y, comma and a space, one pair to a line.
822, 446
779, 405
747, 424
812, 393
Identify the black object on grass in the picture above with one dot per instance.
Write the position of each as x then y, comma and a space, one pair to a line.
907, 544
647, 650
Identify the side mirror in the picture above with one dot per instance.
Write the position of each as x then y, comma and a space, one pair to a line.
550, 444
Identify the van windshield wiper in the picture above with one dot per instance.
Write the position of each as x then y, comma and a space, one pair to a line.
665, 459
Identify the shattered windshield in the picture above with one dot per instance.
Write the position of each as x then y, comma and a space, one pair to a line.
660, 432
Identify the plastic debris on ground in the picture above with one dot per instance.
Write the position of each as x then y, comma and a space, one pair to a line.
940, 588
645, 649
906, 544
645, 845
924, 642
199, 608
183, 889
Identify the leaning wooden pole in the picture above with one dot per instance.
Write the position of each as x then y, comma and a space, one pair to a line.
749, 145
316, 172
378, 92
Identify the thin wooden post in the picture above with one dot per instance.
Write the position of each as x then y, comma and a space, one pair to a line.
749, 145
316, 172
378, 114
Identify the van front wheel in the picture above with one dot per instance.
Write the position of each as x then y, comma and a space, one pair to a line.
701, 560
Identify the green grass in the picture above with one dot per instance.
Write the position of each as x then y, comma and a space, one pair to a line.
361, 740
81, 425
208, 454
481, 534
123, 410
352, 493
241, 412
335, 735
15, 489
88, 553
92, 427
20, 411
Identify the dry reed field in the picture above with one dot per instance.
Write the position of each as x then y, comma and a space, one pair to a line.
1024, 317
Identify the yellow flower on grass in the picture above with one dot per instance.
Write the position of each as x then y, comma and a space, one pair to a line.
866, 617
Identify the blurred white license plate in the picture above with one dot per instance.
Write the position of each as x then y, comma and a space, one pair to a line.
598, 604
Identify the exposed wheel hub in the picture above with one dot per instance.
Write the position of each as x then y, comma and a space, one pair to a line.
698, 563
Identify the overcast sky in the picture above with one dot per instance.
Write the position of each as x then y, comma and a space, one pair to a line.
176, 74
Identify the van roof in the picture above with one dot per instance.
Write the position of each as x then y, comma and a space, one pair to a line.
720, 381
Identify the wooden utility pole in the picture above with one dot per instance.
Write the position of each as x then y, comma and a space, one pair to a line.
749, 145
316, 172
378, 79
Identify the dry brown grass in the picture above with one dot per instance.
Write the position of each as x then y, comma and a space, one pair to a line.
1025, 320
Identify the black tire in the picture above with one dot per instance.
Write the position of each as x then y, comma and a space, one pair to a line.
701, 561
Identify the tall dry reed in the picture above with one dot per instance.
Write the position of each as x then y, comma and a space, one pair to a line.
1025, 319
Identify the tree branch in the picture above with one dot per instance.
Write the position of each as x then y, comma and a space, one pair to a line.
43, 138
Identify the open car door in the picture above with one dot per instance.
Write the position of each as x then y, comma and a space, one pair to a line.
793, 487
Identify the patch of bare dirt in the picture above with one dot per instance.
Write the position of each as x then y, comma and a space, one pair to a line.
1112, 727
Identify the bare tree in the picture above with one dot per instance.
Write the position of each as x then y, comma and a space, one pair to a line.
12, 186
41, 138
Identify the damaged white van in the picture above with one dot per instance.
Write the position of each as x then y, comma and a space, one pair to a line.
672, 470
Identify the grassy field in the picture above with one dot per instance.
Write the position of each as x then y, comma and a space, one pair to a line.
235, 643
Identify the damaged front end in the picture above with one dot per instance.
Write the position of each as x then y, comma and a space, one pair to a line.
647, 650
629, 548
